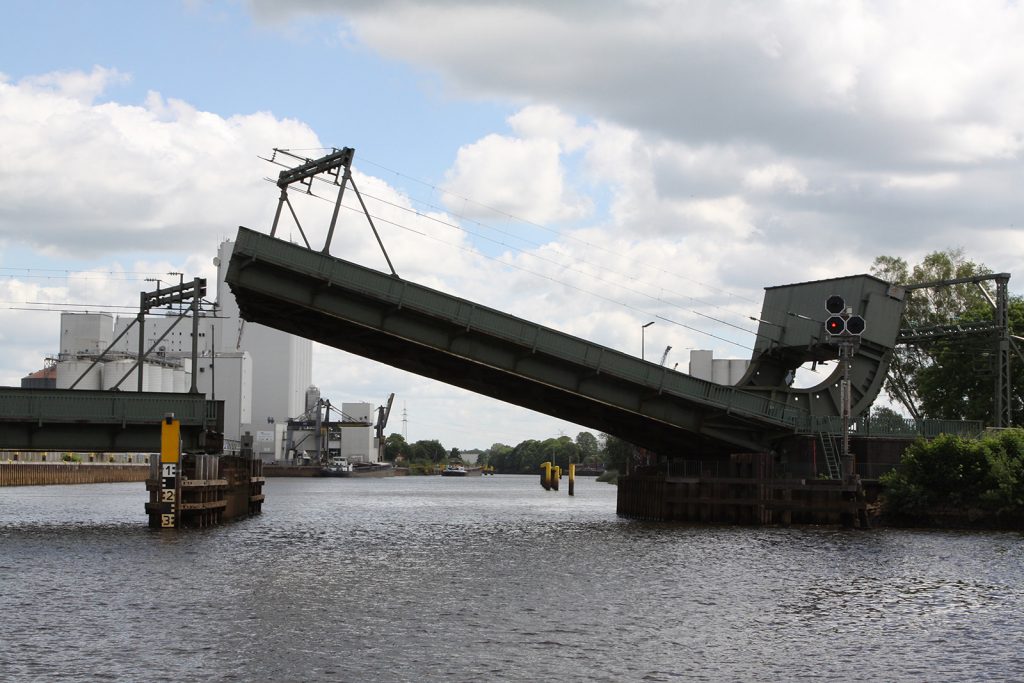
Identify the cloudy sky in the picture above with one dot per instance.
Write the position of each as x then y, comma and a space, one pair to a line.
589, 165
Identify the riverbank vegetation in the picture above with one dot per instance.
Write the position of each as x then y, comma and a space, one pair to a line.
586, 450
955, 481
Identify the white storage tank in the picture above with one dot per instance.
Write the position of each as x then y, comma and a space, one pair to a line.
70, 370
182, 380
152, 378
114, 370
166, 378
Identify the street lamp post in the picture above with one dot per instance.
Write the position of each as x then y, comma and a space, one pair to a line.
643, 329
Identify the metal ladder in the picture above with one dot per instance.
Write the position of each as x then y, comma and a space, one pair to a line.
831, 451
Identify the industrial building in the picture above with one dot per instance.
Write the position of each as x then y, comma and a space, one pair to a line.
264, 376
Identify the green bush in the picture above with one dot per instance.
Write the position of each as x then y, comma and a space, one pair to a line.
953, 472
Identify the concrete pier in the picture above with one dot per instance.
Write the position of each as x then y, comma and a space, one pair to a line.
210, 489
741, 491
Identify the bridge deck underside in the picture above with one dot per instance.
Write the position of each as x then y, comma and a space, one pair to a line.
452, 340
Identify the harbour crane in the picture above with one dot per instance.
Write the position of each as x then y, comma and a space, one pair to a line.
383, 412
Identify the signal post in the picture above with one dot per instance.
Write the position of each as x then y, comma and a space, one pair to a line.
844, 329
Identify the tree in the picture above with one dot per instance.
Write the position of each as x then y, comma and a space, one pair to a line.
588, 446
949, 378
887, 419
526, 457
394, 446
496, 456
561, 451
960, 383
616, 452
428, 449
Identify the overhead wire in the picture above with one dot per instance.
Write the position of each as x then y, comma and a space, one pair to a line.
532, 243
560, 264
79, 278
559, 233
537, 256
534, 273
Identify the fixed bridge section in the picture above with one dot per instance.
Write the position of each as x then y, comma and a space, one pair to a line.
104, 421
453, 340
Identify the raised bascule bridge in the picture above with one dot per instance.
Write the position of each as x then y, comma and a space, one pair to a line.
437, 335
681, 418
845, 327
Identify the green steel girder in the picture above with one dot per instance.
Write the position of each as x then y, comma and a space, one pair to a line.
104, 421
436, 335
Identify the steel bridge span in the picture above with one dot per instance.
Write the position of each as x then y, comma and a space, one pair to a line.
453, 340
105, 421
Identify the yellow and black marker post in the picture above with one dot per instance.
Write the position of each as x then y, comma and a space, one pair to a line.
170, 480
545, 475
572, 477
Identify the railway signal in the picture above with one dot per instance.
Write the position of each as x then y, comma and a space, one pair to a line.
842, 322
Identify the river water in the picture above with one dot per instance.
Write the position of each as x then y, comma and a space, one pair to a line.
488, 579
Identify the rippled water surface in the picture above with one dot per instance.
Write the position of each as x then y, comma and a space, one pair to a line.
417, 579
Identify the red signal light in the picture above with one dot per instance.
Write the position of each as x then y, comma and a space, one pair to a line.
835, 325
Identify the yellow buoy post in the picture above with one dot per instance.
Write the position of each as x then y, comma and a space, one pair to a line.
545, 475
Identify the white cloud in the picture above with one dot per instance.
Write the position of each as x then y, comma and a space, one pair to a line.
523, 177
887, 127
82, 178
80, 86
550, 123
801, 78
929, 181
781, 177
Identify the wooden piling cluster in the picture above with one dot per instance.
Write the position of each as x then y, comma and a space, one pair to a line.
550, 475
209, 490
744, 493
46, 473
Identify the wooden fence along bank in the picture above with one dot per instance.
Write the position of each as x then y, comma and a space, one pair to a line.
45, 473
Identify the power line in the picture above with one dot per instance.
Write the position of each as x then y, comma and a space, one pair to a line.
84, 270
530, 242
543, 227
546, 277
541, 258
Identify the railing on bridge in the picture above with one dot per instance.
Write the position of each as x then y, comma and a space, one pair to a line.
890, 426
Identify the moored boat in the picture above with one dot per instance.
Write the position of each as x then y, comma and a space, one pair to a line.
341, 467
336, 467
372, 469
454, 470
